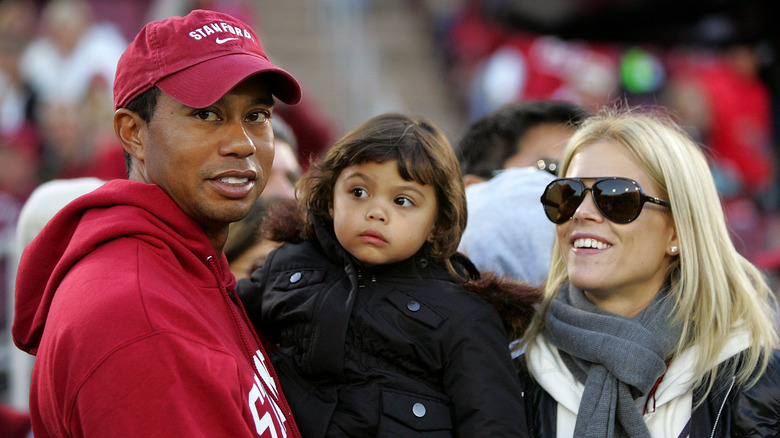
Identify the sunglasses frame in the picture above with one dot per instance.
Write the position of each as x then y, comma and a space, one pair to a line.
643, 197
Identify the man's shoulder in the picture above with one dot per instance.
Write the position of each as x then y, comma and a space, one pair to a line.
124, 280
523, 185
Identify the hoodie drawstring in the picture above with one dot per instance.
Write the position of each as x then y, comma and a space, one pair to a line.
282, 402
232, 308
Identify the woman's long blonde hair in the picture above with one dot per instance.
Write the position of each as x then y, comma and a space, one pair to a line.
716, 290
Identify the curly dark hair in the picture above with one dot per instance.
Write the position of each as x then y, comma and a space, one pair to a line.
423, 154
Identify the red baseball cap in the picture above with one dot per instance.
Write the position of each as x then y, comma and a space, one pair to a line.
197, 59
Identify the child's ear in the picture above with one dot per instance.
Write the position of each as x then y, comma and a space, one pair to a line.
330, 209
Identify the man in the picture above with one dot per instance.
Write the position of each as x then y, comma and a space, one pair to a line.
125, 296
518, 134
519, 143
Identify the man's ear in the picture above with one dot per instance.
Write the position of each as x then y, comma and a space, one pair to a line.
127, 126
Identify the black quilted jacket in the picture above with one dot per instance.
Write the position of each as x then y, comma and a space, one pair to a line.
398, 350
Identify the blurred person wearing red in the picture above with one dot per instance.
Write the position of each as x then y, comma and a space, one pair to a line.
720, 97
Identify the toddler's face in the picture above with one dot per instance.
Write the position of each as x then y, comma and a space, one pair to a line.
378, 216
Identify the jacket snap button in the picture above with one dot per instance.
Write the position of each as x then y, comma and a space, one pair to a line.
418, 410
295, 277
413, 306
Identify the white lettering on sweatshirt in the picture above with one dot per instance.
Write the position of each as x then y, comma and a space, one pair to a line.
266, 393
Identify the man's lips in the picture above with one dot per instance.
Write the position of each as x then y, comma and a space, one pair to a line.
234, 184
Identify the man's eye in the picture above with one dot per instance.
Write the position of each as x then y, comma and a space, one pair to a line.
206, 115
359, 192
403, 201
258, 117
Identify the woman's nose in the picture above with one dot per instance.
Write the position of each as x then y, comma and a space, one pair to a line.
587, 208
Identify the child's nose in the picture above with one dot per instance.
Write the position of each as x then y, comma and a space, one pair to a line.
377, 214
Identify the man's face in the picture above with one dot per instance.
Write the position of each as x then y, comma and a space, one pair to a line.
213, 161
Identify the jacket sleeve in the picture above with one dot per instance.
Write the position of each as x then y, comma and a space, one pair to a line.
481, 380
166, 385
756, 411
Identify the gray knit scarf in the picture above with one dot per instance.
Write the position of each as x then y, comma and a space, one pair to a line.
618, 359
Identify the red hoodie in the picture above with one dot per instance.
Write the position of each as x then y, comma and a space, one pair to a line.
128, 310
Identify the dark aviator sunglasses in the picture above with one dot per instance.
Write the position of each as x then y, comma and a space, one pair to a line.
618, 199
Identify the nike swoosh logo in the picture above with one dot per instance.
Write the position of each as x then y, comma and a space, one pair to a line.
223, 41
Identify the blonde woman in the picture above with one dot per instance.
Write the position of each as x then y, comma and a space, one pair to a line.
652, 325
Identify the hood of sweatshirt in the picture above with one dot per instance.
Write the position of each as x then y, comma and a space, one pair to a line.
120, 208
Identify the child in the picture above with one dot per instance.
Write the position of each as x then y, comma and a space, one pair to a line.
378, 336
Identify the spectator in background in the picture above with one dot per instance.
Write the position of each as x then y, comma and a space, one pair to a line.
246, 247
44, 202
14, 423
70, 67
18, 163
19, 141
17, 101
516, 135
71, 52
286, 170
506, 231
530, 66
725, 105
314, 131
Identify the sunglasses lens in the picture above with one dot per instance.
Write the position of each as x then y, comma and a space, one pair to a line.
561, 199
619, 200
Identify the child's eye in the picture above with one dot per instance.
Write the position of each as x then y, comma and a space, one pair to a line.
403, 201
358, 192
